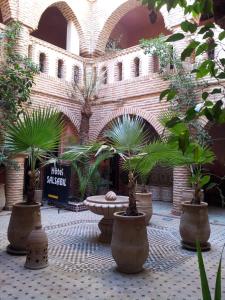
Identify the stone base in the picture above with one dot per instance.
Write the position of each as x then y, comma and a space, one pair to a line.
105, 226
14, 251
192, 247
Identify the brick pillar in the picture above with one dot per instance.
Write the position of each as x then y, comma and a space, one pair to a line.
23, 41
15, 182
180, 183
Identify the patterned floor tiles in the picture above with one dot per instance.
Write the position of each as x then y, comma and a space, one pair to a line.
82, 268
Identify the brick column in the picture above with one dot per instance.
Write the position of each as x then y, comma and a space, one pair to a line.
15, 182
23, 41
180, 183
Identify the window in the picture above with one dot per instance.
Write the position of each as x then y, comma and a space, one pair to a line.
60, 69
137, 67
120, 71
104, 75
155, 60
76, 74
42, 62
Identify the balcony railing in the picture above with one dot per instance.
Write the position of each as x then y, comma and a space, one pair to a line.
54, 61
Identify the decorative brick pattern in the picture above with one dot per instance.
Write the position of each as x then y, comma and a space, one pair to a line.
14, 182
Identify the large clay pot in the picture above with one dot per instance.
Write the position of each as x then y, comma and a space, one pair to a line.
2, 196
194, 226
144, 204
129, 244
23, 220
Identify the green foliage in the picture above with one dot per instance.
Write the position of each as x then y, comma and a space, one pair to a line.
87, 171
127, 135
16, 76
214, 66
35, 134
206, 295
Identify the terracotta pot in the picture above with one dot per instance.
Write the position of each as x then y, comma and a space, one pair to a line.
37, 248
194, 225
129, 244
2, 196
23, 220
144, 204
38, 196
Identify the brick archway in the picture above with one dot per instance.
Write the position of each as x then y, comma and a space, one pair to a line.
74, 120
67, 12
114, 18
151, 119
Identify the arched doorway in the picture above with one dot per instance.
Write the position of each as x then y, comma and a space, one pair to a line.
52, 27
216, 195
134, 26
159, 182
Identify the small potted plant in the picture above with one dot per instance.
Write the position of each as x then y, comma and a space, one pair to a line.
35, 135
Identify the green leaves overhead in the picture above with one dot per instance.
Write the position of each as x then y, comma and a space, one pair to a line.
221, 35
175, 37
188, 26
169, 93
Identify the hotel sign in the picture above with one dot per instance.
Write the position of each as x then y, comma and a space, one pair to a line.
57, 183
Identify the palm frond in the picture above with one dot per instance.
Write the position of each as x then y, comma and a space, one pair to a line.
127, 134
40, 129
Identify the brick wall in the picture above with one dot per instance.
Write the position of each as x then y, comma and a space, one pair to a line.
94, 22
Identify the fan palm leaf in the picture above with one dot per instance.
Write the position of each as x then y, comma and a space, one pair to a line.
127, 134
37, 132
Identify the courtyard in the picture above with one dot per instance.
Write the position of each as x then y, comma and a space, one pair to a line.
82, 268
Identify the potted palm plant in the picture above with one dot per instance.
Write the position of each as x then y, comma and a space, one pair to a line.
128, 139
186, 151
35, 135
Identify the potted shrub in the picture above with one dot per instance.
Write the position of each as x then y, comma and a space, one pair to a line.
35, 135
186, 151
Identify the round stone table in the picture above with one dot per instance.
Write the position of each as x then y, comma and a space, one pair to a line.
101, 205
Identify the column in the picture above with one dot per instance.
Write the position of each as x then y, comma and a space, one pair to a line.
23, 41
72, 41
15, 182
180, 183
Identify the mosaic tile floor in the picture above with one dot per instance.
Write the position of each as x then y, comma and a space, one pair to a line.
81, 268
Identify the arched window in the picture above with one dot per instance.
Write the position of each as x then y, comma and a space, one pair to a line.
42, 62
76, 74
60, 69
211, 49
155, 61
104, 75
137, 67
120, 71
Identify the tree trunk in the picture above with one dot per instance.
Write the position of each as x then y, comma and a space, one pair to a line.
86, 114
132, 208
31, 187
